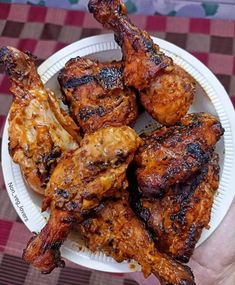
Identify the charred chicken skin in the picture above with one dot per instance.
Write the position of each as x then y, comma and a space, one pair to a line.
116, 231
177, 220
172, 154
142, 58
80, 181
166, 90
96, 95
37, 139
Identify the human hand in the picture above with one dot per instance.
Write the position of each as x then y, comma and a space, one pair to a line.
213, 263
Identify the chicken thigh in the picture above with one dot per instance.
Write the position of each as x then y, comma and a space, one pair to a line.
172, 154
177, 220
96, 95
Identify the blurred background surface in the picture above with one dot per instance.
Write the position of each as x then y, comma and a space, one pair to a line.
220, 9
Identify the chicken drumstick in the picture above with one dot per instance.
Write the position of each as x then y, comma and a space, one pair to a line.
166, 90
80, 181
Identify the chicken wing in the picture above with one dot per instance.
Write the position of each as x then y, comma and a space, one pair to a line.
80, 181
166, 90
37, 140
171, 155
96, 95
117, 231
177, 220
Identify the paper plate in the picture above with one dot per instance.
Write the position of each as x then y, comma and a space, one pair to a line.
210, 97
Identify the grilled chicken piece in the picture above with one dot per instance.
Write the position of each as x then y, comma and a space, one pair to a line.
141, 57
80, 181
120, 234
169, 96
177, 220
37, 140
167, 91
171, 155
96, 95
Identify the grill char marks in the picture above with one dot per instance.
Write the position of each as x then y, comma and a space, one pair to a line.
110, 78
80, 182
78, 81
182, 194
16, 70
171, 155
117, 231
95, 94
48, 162
142, 58
177, 220
87, 112
166, 90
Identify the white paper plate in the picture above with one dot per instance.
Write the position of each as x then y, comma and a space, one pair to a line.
210, 97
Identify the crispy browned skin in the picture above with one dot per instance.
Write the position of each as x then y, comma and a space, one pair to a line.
177, 220
36, 138
171, 155
166, 90
42, 250
96, 95
142, 58
81, 179
117, 231
169, 96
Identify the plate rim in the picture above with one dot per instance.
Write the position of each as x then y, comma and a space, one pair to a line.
66, 252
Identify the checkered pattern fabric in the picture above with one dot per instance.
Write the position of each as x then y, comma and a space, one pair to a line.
43, 31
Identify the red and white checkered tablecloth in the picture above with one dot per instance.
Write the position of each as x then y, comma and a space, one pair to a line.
43, 31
